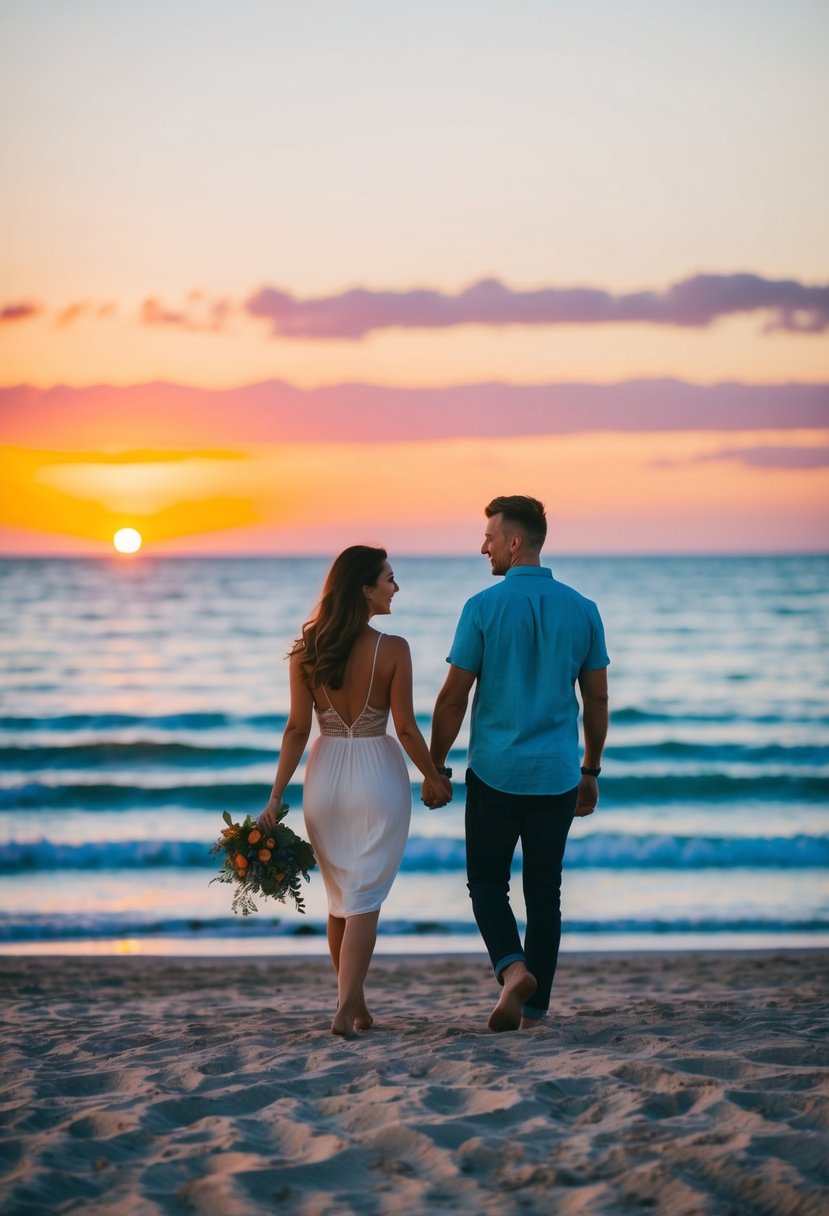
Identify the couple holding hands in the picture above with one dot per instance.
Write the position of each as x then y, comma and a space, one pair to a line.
523, 644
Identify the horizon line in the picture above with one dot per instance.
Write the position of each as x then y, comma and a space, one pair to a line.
135, 558
490, 382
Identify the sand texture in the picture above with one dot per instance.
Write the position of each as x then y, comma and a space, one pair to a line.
676, 1083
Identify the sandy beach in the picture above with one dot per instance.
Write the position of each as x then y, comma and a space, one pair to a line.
675, 1083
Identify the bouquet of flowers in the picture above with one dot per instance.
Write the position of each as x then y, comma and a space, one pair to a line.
263, 863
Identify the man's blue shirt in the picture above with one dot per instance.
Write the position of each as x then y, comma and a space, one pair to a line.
526, 639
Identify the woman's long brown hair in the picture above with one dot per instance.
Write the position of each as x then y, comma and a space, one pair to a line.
340, 617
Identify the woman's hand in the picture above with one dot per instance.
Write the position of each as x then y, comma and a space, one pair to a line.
436, 793
268, 819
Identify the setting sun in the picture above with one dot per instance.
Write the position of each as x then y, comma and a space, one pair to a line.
127, 540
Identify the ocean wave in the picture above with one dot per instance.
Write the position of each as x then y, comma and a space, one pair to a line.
211, 720
610, 851
710, 787
138, 753
242, 796
160, 753
794, 713
238, 797
203, 720
430, 855
46, 927
713, 754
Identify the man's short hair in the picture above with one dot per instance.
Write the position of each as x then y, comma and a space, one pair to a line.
524, 514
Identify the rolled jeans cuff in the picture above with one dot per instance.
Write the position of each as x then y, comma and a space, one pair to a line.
527, 1011
505, 962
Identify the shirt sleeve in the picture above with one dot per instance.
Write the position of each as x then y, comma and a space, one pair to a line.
468, 645
597, 654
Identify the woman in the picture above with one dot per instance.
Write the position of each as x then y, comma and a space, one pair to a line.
357, 799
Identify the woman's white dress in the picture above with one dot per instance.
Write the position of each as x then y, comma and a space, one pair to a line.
357, 805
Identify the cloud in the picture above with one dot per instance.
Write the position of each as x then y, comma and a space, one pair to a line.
148, 415
199, 314
24, 310
695, 302
85, 308
769, 457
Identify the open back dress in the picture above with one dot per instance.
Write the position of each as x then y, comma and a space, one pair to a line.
357, 805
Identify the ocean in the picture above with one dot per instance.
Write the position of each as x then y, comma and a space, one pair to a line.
142, 697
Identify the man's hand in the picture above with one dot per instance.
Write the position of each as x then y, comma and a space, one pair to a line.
435, 796
588, 797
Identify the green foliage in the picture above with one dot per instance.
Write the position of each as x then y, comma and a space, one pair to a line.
259, 862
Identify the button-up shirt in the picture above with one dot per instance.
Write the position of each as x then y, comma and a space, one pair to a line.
526, 639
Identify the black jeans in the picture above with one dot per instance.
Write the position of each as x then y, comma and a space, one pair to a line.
495, 822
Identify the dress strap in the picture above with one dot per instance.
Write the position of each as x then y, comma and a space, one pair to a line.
373, 665
370, 683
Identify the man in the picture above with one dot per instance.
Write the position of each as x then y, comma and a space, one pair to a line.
526, 642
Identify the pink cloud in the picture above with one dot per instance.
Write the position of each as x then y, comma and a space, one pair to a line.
199, 314
25, 310
771, 457
694, 302
160, 414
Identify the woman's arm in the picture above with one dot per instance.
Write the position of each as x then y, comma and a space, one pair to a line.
405, 723
297, 730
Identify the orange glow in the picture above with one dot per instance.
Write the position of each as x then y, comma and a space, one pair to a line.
75, 495
604, 493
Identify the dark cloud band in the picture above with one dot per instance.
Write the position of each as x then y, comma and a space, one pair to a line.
348, 316
694, 302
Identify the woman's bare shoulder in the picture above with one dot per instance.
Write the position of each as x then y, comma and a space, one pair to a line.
394, 645
295, 665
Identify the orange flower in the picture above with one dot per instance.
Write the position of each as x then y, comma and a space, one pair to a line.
279, 877
270, 842
240, 861
254, 835
264, 854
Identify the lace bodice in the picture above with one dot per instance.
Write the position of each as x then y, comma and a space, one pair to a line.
369, 723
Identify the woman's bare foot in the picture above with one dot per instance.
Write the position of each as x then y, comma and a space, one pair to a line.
343, 1025
519, 985
364, 1020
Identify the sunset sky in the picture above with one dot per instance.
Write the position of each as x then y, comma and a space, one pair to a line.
278, 277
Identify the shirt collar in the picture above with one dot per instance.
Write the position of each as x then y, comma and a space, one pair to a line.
524, 571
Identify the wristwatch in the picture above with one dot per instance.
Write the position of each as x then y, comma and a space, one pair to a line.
444, 772
590, 772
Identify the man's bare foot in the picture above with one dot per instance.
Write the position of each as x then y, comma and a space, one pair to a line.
519, 985
530, 1023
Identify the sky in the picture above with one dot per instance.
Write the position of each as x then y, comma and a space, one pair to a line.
280, 278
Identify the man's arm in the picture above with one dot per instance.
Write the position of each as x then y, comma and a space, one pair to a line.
450, 709
593, 687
